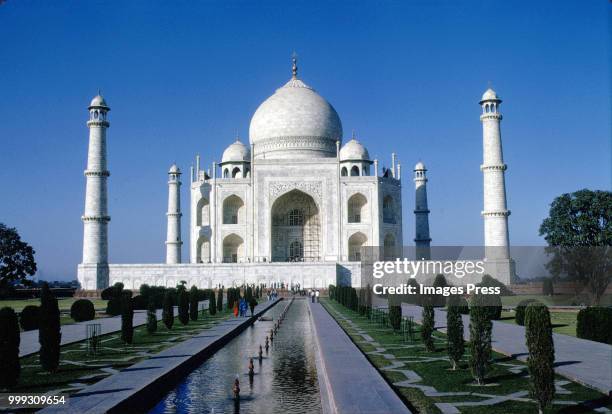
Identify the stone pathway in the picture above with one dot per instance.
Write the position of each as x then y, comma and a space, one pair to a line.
413, 380
349, 383
76, 332
585, 362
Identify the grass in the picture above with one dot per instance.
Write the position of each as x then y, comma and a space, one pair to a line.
564, 322
437, 373
78, 369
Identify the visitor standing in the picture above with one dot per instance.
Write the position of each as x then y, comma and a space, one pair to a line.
317, 295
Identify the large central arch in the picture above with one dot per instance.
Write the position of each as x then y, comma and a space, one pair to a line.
295, 229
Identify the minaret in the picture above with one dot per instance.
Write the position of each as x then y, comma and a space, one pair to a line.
495, 212
96, 218
421, 213
173, 239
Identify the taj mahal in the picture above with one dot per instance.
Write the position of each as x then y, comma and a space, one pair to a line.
295, 205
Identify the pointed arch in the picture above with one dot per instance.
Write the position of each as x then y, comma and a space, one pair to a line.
357, 208
233, 248
355, 244
233, 210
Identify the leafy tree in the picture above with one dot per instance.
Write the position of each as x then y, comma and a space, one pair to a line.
151, 316
49, 333
490, 281
16, 258
127, 318
454, 330
183, 305
427, 326
481, 329
193, 303
578, 231
168, 309
9, 348
220, 300
212, 304
538, 332
114, 295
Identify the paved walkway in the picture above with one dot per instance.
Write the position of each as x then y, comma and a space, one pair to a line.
349, 383
144, 383
76, 332
586, 362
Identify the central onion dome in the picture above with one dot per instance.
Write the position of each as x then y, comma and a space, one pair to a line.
295, 123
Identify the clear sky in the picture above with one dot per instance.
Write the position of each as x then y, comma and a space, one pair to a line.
185, 77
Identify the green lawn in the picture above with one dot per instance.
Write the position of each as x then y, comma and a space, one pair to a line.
506, 375
64, 303
78, 369
564, 322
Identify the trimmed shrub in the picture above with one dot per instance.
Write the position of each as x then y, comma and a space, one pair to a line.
460, 303
595, 324
9, 348
454, 330
127, 318
439, 300
49, 333
538, 332
29, 317
151, 316
494, 306
519, 311
183, 306
481, 329
212, 304
395, 316
547, 287
168, 309
82, 310
193, 303
140, 302
427, 327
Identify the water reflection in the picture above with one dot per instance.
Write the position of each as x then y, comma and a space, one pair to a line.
285, 381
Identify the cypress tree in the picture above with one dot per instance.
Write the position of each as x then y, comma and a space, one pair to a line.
395, 316
481, 329
9, 348
454, 331
439, 300
212, 303
127, 318
538, 332
193, 303
183, 305
168, 310
49, 331
151, 316
427, 326
220, 300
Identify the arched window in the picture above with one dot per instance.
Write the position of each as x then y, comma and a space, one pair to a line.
226, 173
95, 114
232, 210
354, 171
344, 172
202, 212
296, 250
235, 172
296, 217
355, 243
232, 248
388, 210
357, 205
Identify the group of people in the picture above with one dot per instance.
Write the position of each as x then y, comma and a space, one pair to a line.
272, 294
314, 295
241, 306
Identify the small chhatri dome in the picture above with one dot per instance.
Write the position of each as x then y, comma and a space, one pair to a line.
420, 166
236, 152
174, 169
354, 150
295, 122
489, 95
98, 101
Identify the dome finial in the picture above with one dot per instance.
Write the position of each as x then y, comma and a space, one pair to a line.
353, 134
294, 68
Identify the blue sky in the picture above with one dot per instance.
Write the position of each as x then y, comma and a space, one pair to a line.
185, 77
